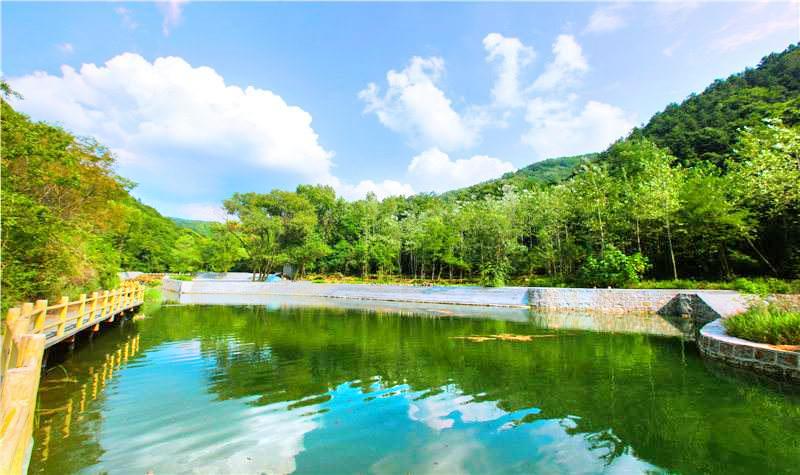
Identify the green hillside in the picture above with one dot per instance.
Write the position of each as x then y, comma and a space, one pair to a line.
705, 126
546, 172
202, 228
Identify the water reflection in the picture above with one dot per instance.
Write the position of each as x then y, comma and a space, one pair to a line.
320, 390
74, 405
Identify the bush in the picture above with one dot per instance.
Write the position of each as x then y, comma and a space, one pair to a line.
495, 274
614, 269
766, 324
183, 277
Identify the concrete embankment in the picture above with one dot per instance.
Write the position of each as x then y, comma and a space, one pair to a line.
493, 297
701, 306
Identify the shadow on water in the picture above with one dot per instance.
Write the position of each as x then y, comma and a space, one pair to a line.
280, 388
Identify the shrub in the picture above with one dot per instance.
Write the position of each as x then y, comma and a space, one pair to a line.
748, 286
614, 269
766, 324
494, 274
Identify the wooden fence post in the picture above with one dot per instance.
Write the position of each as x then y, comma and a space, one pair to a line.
81, 311
62, 315
8, 338
41, 315
105, 311
27, 309
93, 307
113, 306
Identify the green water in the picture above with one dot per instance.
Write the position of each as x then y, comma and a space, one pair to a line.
222, 389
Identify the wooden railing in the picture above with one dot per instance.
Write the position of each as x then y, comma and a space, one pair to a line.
28, 330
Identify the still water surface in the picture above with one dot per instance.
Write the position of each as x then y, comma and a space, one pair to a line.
252, 389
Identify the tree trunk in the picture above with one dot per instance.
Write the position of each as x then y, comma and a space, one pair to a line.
671, 253
638, 237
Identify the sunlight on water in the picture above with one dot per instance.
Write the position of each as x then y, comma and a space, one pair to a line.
215, 389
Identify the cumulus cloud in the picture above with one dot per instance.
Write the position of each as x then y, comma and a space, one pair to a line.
606, 19
568, 63
381, 190
433, 170
178, 129
557, 129
134, 106
513, 56
414, 104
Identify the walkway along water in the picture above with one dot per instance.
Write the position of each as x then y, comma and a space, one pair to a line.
28, 331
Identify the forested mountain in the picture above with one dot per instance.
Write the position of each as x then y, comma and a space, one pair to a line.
202, 228
706, 126
707, 188
545, 172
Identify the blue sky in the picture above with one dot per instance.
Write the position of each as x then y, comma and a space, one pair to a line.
199, 100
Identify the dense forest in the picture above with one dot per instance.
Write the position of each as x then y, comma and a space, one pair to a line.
708, 188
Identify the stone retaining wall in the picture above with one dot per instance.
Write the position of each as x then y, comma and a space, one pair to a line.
715, 343
721, 302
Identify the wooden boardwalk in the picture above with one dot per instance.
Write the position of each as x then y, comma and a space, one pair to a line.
28, 330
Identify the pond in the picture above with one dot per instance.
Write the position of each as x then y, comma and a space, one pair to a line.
286, 389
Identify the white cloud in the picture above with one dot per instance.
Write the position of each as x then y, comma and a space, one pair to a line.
415, 105
670, 50
172, 10
175, 125
383, 189
672, 12
606, 19
752, 31
66, 48
513, 56
433, 170
132, 105
567, 65
127, 18
557, 130
201, 211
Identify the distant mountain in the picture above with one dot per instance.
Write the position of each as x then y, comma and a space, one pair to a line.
702, 128
705, 126
546, 172
202, 228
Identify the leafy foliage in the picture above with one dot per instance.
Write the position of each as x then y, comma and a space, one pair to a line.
613, 269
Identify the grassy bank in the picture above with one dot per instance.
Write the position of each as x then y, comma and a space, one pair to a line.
766, 324
758, 286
